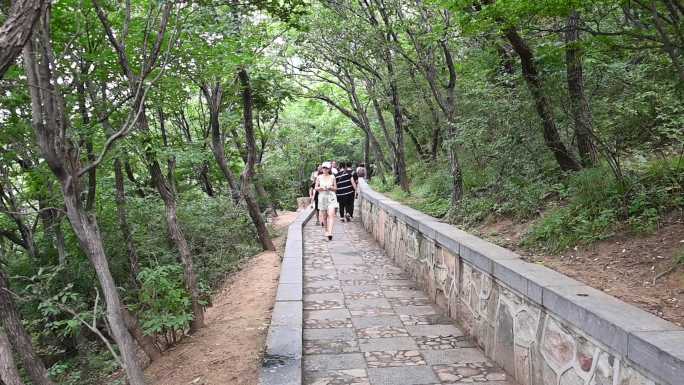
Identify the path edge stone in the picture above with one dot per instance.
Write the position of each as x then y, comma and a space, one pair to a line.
282, 360
478, 283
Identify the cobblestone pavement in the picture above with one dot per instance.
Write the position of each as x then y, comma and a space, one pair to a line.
366, 322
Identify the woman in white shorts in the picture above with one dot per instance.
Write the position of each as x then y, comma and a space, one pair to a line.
327, 200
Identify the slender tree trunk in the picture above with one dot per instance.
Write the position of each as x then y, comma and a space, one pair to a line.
52, 224
383, 126
59, 241
16, 30
416, 143
145, 342
122, 216
552, 138
263, 195
399, 157
18, 337
581, 112
387, 39
214, 99
9, 204
248, 175
85, 117
49, 125
366, 156
131, 177
360, 119
163, 184
166, 192
670, 49
9, 375
205, 180
400, 176
450, 112
165, 187
87, 231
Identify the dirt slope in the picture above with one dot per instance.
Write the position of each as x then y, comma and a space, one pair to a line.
228, 349
626, 266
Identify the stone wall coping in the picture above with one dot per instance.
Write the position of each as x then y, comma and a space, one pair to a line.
282, 362
651, 343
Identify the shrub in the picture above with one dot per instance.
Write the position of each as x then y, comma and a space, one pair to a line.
597, 204
164, 305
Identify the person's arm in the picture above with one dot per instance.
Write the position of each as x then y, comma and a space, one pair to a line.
318, 185
334, 185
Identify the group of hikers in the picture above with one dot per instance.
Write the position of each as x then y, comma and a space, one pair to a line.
334, 188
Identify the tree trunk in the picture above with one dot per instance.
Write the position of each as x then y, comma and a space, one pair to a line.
52, 224
366, 156
18, 337
49, 125
88, 234
9, 205
581, 113
248, 174
9, 375
214, 99
416, 143
542, 103
450, 112
400, 176
131, 177
205, 180
383, 126
145, 342
190, 279
670, 49
263, 195
59, 242
16, 30
122, 216
360, 119
399, 155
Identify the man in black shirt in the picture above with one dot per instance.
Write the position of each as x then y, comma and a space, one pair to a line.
346, 188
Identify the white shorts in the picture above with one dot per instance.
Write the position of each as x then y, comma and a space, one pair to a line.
327, 200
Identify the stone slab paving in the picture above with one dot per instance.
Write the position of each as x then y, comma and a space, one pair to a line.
367, 323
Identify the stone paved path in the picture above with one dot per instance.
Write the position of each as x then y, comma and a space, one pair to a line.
366, 323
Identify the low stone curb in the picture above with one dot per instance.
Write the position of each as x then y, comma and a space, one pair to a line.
282, 362
651, 344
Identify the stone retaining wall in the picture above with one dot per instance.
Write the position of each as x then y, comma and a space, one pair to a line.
543, 327
282, 363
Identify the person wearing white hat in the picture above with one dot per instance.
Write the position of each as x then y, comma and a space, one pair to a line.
327, 200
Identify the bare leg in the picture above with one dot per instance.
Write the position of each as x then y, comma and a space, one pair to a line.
322, 214
331, 220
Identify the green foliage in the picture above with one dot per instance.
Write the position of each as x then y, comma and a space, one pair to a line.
318, 88
430, 193
163, 303
94, 366
596, 204
220, 235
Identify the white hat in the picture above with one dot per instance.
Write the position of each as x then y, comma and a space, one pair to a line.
326, 165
